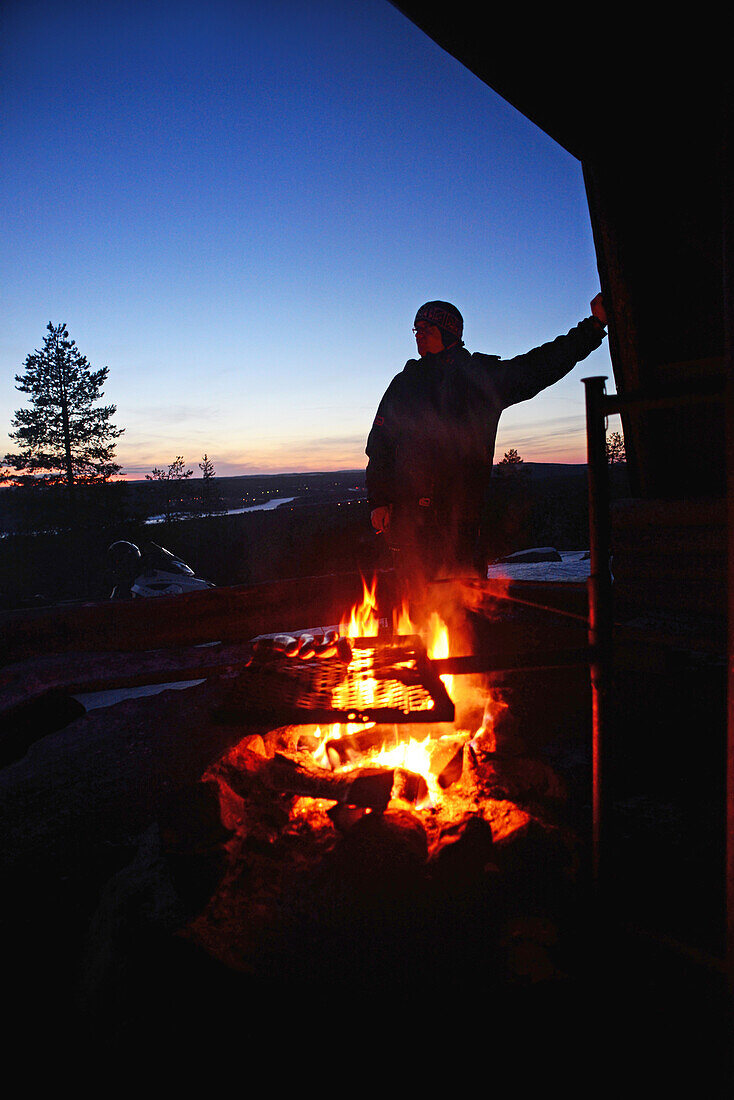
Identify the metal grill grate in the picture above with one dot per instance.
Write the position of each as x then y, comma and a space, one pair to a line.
387, 680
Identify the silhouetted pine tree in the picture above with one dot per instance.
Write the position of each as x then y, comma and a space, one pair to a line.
65, 436
211, 502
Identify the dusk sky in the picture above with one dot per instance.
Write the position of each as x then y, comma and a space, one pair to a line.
238, 207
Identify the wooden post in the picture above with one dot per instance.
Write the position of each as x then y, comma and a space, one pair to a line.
728, 300
600, 608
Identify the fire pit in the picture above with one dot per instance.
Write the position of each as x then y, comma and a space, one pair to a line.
365, 823
318, 860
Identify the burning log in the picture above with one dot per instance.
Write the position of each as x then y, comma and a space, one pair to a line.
295, 773
353, 746
451, 772
410, 786
447, 757
407, 787
367, 787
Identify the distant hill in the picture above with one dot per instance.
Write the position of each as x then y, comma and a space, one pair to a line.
279, 479
553, 469
325, 479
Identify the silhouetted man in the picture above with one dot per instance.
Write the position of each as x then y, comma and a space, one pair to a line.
431, 446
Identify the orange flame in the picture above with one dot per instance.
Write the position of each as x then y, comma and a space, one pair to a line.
437, 645
363, 621
402, 623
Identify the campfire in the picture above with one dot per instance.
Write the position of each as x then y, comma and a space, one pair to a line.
374, 792
395, 715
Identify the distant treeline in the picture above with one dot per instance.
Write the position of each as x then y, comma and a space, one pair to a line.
34, 510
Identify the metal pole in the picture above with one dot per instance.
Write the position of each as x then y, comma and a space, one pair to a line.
728, 299
600, 608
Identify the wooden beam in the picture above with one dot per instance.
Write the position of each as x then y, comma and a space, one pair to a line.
226, 615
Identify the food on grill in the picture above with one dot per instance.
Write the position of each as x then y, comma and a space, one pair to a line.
306, 647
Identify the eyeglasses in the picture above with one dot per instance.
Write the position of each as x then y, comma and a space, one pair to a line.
424, 328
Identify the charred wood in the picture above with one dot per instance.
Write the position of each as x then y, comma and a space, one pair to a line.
410, 786
367, 787
296, 775
451, 772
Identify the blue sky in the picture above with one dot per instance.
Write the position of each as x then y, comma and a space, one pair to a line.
238, 207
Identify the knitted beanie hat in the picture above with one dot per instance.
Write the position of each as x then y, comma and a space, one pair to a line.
444, 316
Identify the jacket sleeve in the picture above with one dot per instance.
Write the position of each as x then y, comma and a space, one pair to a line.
381, 450
524, 376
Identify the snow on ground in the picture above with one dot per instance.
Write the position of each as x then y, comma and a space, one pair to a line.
574, 566
96, 699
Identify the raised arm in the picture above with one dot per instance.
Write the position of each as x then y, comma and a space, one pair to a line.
524, 376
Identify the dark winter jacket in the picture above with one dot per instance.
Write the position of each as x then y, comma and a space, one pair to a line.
432, 441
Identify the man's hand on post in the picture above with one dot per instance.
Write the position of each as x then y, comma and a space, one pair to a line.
598, 310
381, 518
